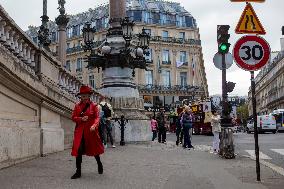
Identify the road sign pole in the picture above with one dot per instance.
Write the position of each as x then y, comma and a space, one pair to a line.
255, 125
226, 143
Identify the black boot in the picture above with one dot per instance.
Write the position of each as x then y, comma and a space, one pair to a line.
100, 165
77, 174
78, 166
100, 168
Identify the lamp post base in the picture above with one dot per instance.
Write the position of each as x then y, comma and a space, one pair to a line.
226, 143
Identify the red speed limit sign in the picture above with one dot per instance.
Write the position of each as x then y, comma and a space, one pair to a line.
251, 52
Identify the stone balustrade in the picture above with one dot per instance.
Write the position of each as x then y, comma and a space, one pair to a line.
31, 56
37, 95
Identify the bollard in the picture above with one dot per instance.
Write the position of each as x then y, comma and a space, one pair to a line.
122, 122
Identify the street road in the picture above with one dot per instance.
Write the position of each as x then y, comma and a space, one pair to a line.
271, 145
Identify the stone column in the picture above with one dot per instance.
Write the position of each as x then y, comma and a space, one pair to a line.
62, 21
62, 44
117, 10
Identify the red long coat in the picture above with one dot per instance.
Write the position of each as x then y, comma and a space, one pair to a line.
93, 144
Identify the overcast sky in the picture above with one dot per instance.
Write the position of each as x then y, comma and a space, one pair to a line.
208, 13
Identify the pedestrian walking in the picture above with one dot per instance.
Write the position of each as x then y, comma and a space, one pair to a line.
86, 136
161, 126
216, 129
154, 126
187, 124
106, 113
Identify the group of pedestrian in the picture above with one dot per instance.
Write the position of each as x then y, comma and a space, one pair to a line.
184, 126
93, 126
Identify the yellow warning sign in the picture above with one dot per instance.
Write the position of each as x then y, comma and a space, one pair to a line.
249, 22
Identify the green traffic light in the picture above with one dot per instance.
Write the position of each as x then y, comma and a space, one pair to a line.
224, 47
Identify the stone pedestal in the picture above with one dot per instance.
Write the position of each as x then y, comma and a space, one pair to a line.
138, 127
118, 82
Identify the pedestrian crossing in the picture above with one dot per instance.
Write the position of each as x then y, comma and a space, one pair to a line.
264, 156
280, 151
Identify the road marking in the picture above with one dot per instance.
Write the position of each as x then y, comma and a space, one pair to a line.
280, 151
275, 168
261, 155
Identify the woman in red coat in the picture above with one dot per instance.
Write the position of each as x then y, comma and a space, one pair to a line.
86, 135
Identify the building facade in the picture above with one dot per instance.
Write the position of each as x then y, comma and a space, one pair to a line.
176, 67
270, 85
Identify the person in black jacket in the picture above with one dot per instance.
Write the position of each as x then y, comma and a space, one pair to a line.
187, 124
161, 126
179, 130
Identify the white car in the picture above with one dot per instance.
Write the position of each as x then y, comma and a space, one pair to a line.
265, 123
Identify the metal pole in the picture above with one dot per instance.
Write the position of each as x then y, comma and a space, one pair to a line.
255, 125
224, 87
122, 124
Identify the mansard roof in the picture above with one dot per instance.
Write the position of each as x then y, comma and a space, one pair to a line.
154, 6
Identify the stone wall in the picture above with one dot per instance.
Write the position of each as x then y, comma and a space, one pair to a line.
37, 96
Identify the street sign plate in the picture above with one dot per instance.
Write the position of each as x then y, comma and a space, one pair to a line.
251, 52
249, 22
255, 1
218, 60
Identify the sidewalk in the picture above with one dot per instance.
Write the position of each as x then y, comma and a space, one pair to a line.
141, 166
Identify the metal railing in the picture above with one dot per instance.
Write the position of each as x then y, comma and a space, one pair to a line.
185, 88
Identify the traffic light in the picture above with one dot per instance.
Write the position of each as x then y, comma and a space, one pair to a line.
230, 86
222, 38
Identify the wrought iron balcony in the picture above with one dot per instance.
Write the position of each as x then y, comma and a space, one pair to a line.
175, 40
166, 62
164, 88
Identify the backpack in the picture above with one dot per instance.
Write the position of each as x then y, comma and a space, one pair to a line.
106, 110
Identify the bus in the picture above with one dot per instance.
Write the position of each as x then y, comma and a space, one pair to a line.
279, 117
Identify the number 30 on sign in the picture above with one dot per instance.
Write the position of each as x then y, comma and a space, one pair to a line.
251, 52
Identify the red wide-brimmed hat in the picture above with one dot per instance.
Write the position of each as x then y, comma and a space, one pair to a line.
85, 90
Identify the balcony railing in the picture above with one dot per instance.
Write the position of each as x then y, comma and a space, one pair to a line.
175, 40
175, 88
162, 22
166, 62
74, 50
79, 70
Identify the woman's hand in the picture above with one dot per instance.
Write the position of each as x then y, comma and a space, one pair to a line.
93, 128
85, 118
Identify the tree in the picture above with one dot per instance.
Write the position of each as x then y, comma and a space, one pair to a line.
243, 113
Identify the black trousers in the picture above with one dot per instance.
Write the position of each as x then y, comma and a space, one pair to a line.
154, 135
81, 151
179, 134
162, 134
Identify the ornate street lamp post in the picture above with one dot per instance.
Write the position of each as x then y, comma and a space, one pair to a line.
103, 57
118, 56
